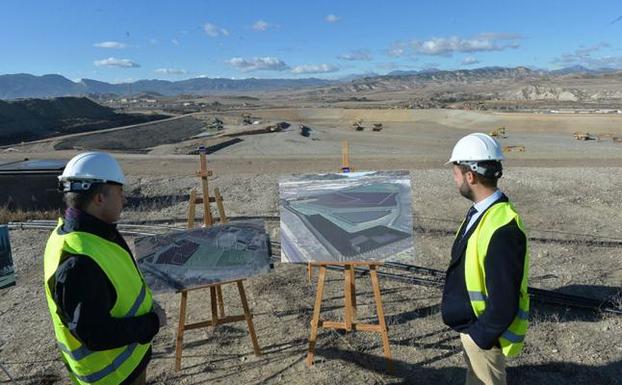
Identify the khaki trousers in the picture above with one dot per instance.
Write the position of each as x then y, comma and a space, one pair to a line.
484, 367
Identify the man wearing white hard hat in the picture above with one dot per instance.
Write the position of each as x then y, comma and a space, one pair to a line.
103, 315
485, 295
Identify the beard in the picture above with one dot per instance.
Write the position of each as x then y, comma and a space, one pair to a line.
466, 191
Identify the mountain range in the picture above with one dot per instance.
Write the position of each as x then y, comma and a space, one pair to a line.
15, 86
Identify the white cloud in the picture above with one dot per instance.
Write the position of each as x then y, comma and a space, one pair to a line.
258, 64
170, 71
114, 62
110, 44
397, 49
331, 18
447, 46
261, 26
359, 54
214, 31
175, 41
154, 41
584, 56
470, 60
315, 69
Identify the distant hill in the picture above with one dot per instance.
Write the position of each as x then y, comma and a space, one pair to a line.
32, 119
408, 80
16, 86
579, 69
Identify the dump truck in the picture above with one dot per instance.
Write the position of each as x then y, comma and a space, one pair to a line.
277, 127
583, 136
215, 124
519, 148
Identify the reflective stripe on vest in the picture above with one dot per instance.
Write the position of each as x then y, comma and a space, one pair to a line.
495, 217
108, 367
82, 351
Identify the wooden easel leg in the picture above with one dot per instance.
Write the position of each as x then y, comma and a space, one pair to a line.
192, 204
180, 330
315, 322
221, 303
353, 292
214, 305
309, 272
207, 215
348, 297
249, 318
381, 320
221, 206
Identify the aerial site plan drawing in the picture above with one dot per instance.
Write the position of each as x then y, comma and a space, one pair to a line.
202, 256
360, 216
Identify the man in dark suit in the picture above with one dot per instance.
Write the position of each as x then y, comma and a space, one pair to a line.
485, 295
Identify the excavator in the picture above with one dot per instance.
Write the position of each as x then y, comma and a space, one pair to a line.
358, 125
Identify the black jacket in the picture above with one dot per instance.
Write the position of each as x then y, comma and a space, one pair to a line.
504, 271
84, 296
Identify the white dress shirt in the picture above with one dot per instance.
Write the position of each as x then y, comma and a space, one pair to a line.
481, 206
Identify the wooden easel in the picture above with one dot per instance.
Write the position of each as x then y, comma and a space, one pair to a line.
350, 311
345, 167
216, 297
206, 199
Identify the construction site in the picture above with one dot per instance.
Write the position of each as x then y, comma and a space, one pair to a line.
567, 190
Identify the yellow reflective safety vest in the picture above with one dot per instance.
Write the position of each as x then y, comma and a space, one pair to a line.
497, 216
107, 367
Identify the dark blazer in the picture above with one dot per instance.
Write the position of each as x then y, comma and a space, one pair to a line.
504, 271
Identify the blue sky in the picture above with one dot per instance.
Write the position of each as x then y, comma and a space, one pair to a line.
119, 41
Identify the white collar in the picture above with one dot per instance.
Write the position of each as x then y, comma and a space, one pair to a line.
482, 205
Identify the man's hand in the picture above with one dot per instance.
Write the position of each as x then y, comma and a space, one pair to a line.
160, 313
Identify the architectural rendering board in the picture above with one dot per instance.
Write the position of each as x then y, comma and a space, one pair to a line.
351, 217
7, 272
202, 256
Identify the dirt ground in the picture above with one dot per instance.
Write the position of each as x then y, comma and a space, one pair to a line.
567, 192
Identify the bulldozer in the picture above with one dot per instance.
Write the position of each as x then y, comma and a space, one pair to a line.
377, 127
304, 130
246, 119
498, 132
358, 125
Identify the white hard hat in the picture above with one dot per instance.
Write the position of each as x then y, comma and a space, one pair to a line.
90, 167
476, 147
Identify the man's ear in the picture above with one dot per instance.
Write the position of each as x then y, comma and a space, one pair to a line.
470, 177
98, 198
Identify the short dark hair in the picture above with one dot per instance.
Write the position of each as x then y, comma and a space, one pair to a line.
81, 199
490, 182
